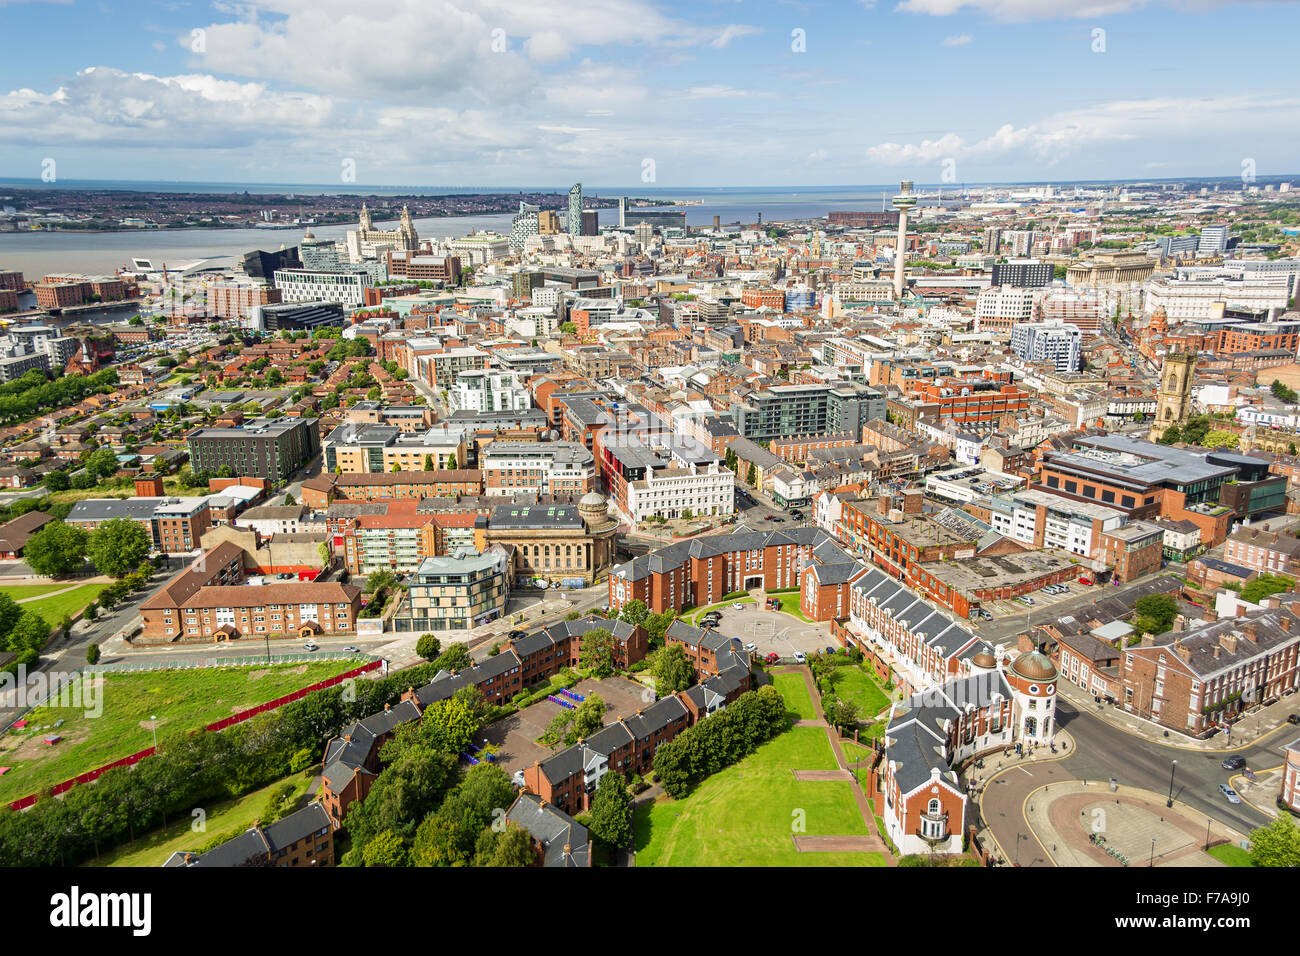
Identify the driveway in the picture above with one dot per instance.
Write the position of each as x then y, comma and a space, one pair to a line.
773, 631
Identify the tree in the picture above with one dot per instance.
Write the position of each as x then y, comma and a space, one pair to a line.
118, 546
1283, 392
611, 810
672, 671
588, 718
1160, 608
380, 581
386, 849
1277, 843
656, 626
454, 658
56, 549
428, 647
57, 481
428, 463
599, 652
1170, 436
511, 846
1219, 438
451, 462
752, 478
568, 328
1264, 586
840, 713
557, 729
30, 633
634, 612
92, 654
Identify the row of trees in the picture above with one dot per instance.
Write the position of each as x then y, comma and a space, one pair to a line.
116, 548
32, 393
719, 740
190, 770
423, 810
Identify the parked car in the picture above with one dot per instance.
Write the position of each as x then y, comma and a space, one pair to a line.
738, 606
1235, 762
310, 646
516, 634
1293, 718
772, 658
1228, 792
751, 647
800, 657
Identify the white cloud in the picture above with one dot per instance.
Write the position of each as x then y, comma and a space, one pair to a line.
1013, 10
1243, 118
720, 92
818, 156
961, 40
731, 32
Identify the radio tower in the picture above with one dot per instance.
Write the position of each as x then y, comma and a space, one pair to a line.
904, 202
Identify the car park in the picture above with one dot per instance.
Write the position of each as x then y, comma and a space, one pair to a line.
1229, 793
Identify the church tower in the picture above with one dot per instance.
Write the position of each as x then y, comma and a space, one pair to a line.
1174, 398
366, 224
410, 240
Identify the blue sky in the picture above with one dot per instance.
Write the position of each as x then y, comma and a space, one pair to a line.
704, 93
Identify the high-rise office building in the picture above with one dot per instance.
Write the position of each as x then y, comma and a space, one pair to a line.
590, 222
575, 210
524, 224
1214, 240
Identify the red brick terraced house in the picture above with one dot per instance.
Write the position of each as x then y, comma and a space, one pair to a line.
1197, 680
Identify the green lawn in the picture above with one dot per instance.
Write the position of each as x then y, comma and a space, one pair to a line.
790, 605
745, 815
720, 606
53, 609
21, 591
181, 700
798, 701
227, 818
1231, 854
854, 684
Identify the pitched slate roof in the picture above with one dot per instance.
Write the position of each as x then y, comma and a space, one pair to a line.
553, 829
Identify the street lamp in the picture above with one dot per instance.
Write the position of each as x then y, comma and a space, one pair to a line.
1152, 862
1019, 837
1172, 767
153, 724
1207, 834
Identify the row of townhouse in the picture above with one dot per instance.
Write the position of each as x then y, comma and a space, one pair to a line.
701, 571
568, 779
352, 758
922, 644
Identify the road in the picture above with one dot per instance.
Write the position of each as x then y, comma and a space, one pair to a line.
1104, 751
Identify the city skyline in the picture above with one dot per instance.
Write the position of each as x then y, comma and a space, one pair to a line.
939, 91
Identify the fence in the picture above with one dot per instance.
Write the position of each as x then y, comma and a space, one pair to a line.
90, 775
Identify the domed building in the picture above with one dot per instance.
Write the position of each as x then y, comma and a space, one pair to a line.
568, 545
1032, 677
939, 729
